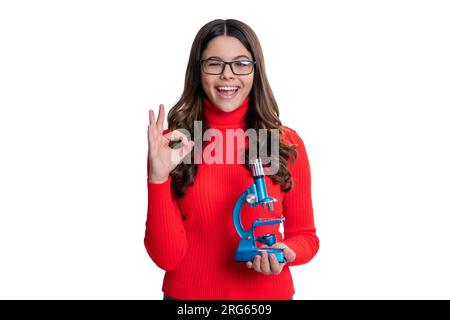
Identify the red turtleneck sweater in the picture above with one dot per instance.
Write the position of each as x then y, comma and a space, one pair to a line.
194, 239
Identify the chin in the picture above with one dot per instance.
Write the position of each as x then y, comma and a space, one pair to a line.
228, 106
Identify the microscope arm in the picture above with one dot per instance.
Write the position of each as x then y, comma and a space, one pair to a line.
237, 215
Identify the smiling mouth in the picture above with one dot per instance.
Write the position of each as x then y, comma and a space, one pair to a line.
227, 91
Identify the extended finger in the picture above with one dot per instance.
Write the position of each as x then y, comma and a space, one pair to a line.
152, 131
152, 120
160, 121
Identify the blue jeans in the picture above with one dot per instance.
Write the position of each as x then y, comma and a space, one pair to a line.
165, 297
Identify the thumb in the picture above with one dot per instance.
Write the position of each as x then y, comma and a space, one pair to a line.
289, 254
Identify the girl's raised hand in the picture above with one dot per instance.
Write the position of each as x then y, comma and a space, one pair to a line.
162, 158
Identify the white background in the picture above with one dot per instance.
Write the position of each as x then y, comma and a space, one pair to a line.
365, 84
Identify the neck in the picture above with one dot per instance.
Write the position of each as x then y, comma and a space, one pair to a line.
217, 118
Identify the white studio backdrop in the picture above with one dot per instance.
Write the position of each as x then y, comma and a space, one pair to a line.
364, 83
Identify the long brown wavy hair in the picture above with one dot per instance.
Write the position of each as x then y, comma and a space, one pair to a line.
263, 110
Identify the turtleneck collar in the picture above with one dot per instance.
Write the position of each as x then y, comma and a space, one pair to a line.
217, 118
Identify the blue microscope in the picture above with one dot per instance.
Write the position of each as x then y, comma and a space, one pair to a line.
256, 194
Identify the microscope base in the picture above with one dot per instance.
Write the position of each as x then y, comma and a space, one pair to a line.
249, 255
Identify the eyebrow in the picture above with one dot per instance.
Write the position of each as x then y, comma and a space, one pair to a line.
241, 56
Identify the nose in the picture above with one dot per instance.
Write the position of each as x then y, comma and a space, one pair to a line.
227, 73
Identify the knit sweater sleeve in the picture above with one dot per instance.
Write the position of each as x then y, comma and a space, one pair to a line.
299, 228
165, 235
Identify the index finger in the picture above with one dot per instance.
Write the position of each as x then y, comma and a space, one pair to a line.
177, 134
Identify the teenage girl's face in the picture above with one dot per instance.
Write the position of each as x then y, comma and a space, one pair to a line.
217, 87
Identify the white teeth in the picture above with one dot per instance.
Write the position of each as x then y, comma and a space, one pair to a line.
227, 88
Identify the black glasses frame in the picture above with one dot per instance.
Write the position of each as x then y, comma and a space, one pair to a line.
231, 66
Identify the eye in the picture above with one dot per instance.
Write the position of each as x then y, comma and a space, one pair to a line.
242, 63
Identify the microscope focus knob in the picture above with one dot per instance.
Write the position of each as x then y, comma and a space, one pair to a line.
251, 198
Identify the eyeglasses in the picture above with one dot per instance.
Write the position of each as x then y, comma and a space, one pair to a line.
238, 67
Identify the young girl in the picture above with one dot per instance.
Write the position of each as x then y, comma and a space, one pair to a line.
189, 229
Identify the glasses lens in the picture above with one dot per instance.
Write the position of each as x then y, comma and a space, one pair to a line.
212, 66
242, 67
